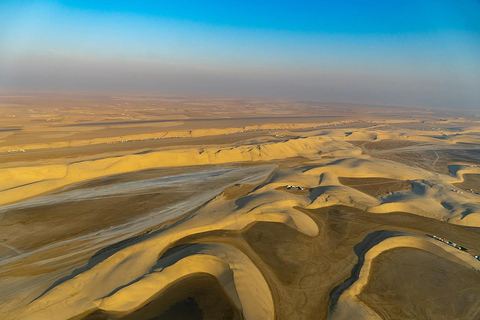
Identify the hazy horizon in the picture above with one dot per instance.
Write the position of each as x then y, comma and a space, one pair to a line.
418, 53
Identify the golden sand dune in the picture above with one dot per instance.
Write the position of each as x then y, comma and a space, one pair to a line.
291, 222
22, 182
157, 135
238, 275
348, 305
139, 260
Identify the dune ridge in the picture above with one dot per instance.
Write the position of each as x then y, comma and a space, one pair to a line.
127, 266
454, 136
132, 274
348, 304
18, 183
461, 208
266, 203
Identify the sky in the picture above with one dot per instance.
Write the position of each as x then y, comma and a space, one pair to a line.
406, 53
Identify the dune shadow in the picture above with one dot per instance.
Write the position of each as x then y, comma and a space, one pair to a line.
360, 250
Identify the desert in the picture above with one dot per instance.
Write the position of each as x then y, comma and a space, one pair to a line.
230, 160
160, 207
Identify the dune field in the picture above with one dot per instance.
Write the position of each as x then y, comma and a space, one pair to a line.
142, 207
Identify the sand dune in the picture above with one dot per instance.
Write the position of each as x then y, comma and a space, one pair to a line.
348, 305
19, 183
29, 181
275, 252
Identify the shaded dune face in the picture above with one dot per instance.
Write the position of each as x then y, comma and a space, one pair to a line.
196, 297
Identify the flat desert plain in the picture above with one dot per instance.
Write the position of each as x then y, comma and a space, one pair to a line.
174, 207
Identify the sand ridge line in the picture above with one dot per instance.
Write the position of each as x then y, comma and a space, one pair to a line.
345, 304
48, 178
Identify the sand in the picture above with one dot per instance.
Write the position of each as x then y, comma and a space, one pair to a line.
428, 288
201, 226
348, 303
471, 183
376, 187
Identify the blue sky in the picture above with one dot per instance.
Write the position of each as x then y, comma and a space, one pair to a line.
419, 53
